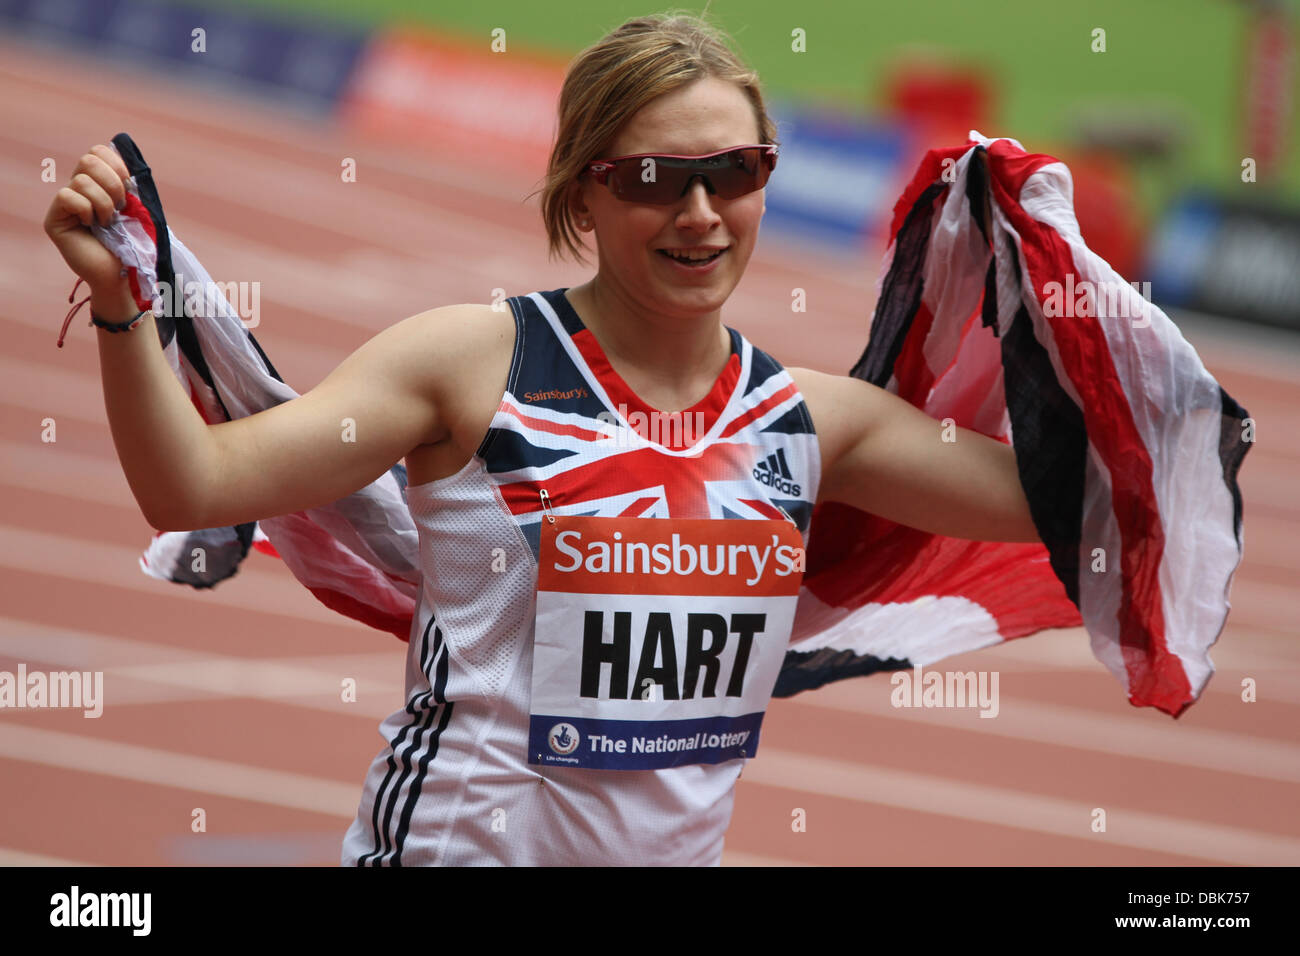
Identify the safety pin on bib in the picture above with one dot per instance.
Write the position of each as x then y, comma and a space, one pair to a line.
785, 514
546, 506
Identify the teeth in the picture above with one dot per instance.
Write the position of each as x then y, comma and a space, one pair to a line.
694, 256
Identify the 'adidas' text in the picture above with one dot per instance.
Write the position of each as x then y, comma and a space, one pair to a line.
775, 473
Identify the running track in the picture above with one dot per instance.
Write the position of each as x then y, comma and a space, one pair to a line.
229, 700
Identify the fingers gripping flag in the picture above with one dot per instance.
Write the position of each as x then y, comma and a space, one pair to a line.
993, 314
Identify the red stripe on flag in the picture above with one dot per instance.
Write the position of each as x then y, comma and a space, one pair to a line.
266, 547
856, 558
133, 208
1011, 166
1156, 677
929, 170
1014, 165
397, 625
915, 378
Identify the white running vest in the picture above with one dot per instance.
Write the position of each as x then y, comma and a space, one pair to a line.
453, 785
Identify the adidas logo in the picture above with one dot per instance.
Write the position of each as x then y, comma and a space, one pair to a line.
775, 473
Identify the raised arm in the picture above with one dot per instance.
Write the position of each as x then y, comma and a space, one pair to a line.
383, 401
885, 456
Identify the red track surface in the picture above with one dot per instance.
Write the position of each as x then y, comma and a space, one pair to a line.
229, 700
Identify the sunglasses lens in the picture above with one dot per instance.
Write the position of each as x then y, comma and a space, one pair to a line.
741, 175
663, 179
646, 180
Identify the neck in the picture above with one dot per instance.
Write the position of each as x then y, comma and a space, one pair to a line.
671, 362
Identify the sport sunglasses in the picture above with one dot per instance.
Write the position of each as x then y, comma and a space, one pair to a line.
659, 179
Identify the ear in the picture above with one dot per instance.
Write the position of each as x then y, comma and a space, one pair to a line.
575, 197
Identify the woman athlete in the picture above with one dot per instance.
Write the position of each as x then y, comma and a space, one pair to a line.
600, 621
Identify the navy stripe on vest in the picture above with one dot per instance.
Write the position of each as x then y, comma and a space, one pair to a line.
422, 719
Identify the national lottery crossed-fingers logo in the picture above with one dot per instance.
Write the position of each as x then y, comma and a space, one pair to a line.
563, 739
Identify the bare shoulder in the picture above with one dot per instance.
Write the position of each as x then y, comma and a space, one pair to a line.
462, 355
840, 406
455, 334
812, 383
445, 349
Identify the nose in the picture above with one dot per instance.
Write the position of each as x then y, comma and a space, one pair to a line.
698, 213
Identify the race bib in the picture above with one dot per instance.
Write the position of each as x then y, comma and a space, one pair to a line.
658, 641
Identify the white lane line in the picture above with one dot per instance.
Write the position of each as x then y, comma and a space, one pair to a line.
11, 857
1055, 816
144, 672
78, 560
1148, 736
52, 389
54, 469
169, 768
1239, 647
777, 768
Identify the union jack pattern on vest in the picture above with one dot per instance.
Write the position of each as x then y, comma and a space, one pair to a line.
595, 452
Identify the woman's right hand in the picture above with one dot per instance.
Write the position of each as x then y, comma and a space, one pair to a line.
97, 188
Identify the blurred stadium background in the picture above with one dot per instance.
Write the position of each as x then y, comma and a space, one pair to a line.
1178, 120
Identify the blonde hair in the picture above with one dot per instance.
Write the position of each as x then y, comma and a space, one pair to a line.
609, 81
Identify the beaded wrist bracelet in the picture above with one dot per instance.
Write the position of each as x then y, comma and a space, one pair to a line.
126, 326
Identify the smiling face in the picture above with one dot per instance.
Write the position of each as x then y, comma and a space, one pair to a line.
633, 239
